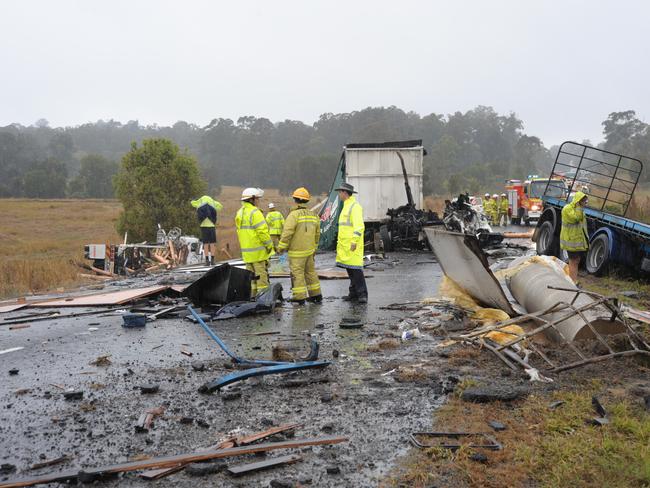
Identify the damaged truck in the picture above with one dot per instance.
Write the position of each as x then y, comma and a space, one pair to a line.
388, 177
610, 181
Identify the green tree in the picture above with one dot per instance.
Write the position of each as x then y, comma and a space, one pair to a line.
155, 184
46, 179
95, 178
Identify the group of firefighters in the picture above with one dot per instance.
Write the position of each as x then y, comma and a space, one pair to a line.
261, 236
496, 208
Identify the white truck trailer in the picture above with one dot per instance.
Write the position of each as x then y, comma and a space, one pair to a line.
388, 178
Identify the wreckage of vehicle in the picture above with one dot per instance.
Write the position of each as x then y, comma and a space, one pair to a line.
552, 324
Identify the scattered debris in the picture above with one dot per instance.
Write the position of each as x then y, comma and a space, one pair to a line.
497, 426
51, 462
241, 469
350, 323
16, 327
451, 440
333, 470
186, 352
198, 365
73, 395
486, 394
147, 389
102, 361
205, 469
145, 421
134, 320
13, 371
556, 404
12, 349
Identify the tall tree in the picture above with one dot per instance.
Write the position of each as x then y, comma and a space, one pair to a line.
155, 184
95, 178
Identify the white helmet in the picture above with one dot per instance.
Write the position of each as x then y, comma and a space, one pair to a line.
487, 195
271, 205
249, 193
504, 195
495, 196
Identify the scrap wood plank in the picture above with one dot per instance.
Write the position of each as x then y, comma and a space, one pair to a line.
269, 463
119, 297
224, 444
12, 306
173, 461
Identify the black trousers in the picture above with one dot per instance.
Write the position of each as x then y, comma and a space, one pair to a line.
357, 283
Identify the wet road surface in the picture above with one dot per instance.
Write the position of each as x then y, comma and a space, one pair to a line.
351, 398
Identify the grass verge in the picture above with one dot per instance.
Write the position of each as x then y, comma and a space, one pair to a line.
541, 446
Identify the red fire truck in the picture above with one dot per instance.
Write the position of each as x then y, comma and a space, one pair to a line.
525, 197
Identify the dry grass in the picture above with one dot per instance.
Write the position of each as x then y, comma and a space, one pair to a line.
435, 203
383, 345
38, 238
541, 446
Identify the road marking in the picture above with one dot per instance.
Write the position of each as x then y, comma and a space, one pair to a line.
11, 350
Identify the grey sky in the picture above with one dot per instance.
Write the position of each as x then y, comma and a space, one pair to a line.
562, 66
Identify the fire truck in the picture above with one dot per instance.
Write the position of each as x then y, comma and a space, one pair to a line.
525, 197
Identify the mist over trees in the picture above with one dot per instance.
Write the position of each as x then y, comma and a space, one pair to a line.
475, 151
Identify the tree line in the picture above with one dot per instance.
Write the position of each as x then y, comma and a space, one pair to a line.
471, 151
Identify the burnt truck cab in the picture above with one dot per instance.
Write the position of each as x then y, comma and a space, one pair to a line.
609, 179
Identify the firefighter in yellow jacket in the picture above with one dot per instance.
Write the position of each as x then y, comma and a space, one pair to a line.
574, 235
276, 222
254, 239
300, 239
349, 247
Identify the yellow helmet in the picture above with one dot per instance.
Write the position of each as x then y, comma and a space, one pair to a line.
302, 194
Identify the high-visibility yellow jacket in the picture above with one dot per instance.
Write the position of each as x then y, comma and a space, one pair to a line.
275, 220
301, 233
489, 206
351, 229
206, 200
574, 233
253, 234
503, 206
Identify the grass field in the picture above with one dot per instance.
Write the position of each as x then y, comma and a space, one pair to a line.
38, 238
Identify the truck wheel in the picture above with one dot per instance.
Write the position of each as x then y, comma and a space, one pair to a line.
546, 244
597, 261
385, 238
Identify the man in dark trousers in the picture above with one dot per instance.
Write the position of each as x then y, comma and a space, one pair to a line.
206, 211
349, 247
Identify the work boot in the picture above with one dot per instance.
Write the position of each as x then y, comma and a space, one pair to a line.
350, 298
316, 299
207, 260
298, 301
211, 260
363, 299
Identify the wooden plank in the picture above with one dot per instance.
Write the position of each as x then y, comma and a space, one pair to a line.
227, 443
241, 469
173, 461
101, 299
11, 307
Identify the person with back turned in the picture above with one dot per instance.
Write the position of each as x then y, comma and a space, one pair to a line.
254, 239
206, 211
574, 236
275, 220
349, 247
300, 238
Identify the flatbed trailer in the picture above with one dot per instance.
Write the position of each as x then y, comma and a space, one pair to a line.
610, 180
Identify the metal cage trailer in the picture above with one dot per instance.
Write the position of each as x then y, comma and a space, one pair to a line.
609, 179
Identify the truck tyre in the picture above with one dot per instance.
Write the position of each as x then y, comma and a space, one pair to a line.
385, 238
547, 242
597, 262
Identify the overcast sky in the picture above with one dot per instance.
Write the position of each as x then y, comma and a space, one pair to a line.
561, 66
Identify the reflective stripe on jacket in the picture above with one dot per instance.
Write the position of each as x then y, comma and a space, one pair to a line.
276, 222
206, 200
351, 228
253, 234
301, 233
503, 206
573, 236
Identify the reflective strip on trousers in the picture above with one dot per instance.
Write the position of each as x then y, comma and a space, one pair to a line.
315, 286
573, 245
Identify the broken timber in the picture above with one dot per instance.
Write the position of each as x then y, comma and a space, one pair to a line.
268, 463
225, 444
172, 461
